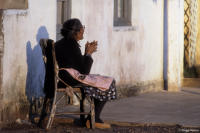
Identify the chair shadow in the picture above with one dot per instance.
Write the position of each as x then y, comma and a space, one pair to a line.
35, 75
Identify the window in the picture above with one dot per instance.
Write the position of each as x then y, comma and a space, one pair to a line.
13, 4
63, 14
122, 12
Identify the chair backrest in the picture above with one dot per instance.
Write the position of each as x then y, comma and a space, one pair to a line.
48, 51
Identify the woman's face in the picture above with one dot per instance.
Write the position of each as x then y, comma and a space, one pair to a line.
79, 35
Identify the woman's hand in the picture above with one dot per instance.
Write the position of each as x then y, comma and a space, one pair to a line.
90, 47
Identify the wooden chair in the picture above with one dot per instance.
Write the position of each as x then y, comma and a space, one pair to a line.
51, 99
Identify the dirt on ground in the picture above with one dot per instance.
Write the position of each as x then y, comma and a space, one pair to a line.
116, 127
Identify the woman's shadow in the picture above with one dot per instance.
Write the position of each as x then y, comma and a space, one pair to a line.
35, 74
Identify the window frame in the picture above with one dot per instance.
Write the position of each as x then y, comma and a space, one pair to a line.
122, 17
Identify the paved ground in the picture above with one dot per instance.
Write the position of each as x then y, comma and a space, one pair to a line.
161, 107
166, 112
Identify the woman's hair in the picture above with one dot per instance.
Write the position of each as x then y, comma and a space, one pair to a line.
71, 27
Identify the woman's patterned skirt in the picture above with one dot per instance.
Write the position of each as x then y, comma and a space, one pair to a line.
107, 95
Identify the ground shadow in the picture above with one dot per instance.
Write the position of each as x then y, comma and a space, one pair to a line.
35, 73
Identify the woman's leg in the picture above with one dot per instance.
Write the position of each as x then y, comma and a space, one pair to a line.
98, 109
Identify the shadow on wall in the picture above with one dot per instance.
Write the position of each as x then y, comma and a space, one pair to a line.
36, 71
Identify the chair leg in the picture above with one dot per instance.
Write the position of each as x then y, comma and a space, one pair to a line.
51, 117
44, 111
53, 111
92, 111
82, 117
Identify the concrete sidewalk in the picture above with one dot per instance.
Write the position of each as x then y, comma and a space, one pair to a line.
147, 112
157, 107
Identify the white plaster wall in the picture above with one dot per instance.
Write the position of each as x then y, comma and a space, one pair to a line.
175, 43
23, 68
131, 56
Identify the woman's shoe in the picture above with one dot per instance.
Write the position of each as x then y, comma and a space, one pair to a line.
87, 124
102, 125
98, 125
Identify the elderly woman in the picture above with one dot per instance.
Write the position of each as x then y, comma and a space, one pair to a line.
68, 55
